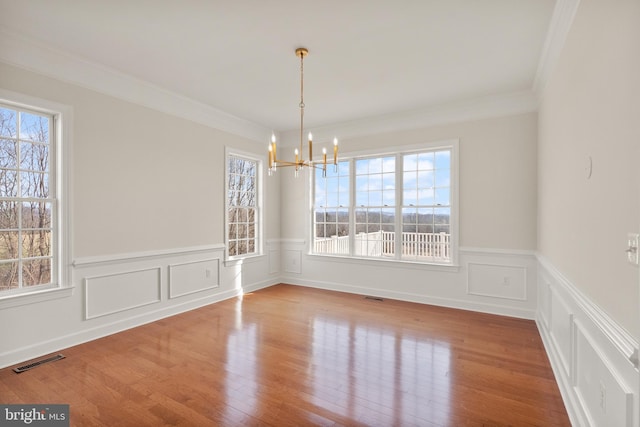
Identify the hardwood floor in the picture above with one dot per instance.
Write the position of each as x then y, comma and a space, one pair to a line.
294, 356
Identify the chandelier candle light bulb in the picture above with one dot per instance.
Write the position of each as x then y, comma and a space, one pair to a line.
324, 162
275, 156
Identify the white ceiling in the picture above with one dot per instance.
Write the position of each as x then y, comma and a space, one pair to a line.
367, 58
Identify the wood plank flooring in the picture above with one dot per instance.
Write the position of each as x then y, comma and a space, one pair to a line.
295, 356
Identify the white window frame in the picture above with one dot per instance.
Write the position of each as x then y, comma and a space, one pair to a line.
60, 157
259, 204
399, 151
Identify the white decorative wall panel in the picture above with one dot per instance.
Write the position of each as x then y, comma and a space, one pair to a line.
594, 359
605, 398
274, 261
112, 293
497, 281
193, 276
544, 301
561, 329
293, 261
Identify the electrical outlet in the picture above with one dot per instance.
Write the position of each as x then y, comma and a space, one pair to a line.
632, 248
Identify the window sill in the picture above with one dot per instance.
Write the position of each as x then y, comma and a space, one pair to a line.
231, 262
35, 297
391, 263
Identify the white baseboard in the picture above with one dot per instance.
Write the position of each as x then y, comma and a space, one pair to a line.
496, 281
59, 343
502, 310
593, 358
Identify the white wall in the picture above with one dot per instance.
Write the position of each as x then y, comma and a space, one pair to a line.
147, 221
497, 193
590, 109
589, 305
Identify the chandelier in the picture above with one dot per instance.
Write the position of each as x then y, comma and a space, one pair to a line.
299, 161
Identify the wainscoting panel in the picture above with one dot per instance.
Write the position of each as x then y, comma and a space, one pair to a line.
193, 276
544, 302
605, 397
561, 329
293, 261
593, 358
274, 261
497, 281
104, 294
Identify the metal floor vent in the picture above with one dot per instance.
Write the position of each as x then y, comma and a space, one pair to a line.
374, 298
21, 369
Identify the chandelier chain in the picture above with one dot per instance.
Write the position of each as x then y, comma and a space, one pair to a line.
301, 100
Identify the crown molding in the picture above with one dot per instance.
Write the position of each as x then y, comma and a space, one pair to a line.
472, 109
28, 54
561, 20
34, 56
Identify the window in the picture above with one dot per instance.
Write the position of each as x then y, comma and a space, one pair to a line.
28, 200
243, 207
332, 210
426, 206
375, 206
396, 206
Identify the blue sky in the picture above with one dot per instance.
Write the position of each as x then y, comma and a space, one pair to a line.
426, 181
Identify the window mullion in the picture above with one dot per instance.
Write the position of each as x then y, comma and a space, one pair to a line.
20, 199
19, 242
399, 204
352, 207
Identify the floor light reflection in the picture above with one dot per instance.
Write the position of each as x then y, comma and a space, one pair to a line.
374, 375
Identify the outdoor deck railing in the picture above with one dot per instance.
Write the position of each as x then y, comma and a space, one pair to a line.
434, 246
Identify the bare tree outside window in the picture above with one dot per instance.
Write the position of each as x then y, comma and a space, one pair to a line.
26, 202
242, 215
